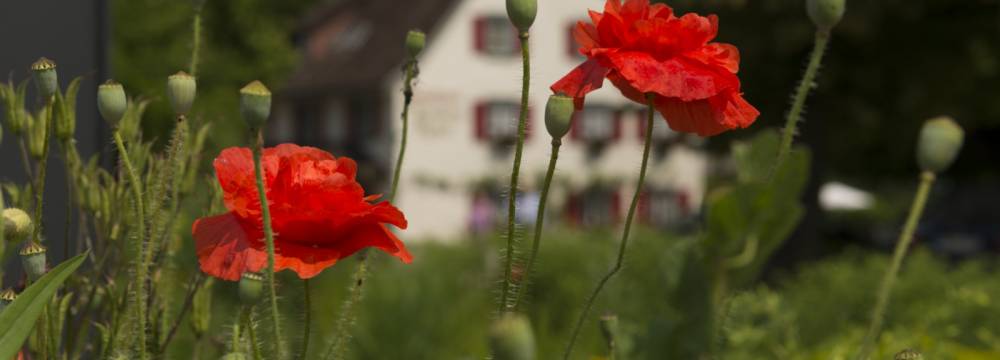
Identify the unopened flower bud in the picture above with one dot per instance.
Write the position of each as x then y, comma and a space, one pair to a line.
609, 328
112, 102
181, 89
33, 260
255, 104
46, 79
7, 296
415, 42
64, 119
908, 354
511, 338
558, 115
251, 286
37, 131
16, 225
940, 141
825, 13
522, 13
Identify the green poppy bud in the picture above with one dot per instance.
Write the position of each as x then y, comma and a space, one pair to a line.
17, 225
415, 41
64, 119
558, 115
112, 102
7, 296
511, 338
33, 260
940, 141
522, 13
37, 132
255, 104
825, 13
908, 354
181, 89
251, 286
233, 356
609, 328
46, 79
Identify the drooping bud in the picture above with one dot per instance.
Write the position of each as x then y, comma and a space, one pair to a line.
511, 338
46, 79
181, 89
251, 286
33, 260
558, 115
7, 296
112, 102
255, 104
940, 141
826, 13
415, 42
522, 13
17, 225
908, 354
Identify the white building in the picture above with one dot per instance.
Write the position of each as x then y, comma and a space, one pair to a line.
346, 98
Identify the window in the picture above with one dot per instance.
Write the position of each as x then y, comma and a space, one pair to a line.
335, 125
497, 121
661, 130
594, 207
494, 35
596, 124
663, 208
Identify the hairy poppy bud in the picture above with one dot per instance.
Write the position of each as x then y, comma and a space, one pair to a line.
522, 13
181, 89
940, 141
415, 41
6, 297
908, 354
33, 260
251, 286
825, 13
255, 104
511, 338
46, 79
16, 224
111, 102
558, 115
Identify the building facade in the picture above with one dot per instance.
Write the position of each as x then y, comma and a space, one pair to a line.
464, 114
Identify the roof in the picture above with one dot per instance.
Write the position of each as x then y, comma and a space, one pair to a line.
367, 42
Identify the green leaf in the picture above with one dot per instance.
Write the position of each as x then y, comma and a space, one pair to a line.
19, 317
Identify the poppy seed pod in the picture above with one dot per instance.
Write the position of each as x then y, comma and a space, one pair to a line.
46, 79
33, 260
511, 338
6, 297
908, 354
16, 225
825, 13
522, 13
255, 104
558, 115
415, 42
111, 102
251, 286
181, 89
940, 141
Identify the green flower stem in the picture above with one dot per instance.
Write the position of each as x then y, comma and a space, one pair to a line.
25, 159
902, 245
40, 177
628, 226
251, 332
258, 149
141, 270
196, 38
407, 99
799, 99
338, 347
539, 220
307, 302
518, 151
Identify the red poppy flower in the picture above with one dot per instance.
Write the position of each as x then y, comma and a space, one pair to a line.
646, 49
319, 214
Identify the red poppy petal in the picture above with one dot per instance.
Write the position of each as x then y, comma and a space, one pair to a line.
661, 11
386, 213
585, 78
235, 172
736, 111
288, 150
586, 35
627, 90
697, 116
718, 54
223, 248
673, 78
306, 261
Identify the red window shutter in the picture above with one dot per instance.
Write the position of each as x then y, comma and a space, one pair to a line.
645, 201
480, 127
616, 129
516, 39
479, 34
642, 125
616, 207
573, 213
571, 47
575, 124
684, 202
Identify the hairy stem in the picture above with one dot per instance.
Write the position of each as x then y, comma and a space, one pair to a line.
307, 303
628, 226
40, 177
407, 99
338, 348
902, 245
265, 210
251, 332
539, 221
196, 38
140, 268
799, 99
518, 151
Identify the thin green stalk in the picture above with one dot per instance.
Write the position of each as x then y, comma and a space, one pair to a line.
265, 210
196, 41
902, 245
518, 150
40, 178
628, 226
338, 348
251, 332
25, 160
801, 93
140, 270
308, 320
539, 221
407, 98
